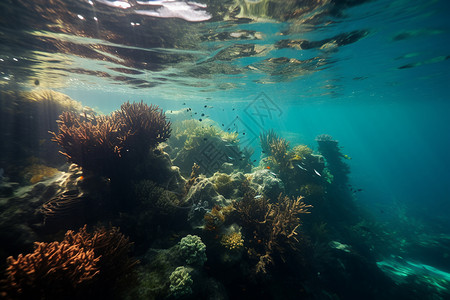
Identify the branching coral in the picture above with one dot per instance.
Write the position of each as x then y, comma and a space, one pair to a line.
110, 245
97, 143
272, 226
276, 148
60, 270
194, 175
52, 269
266, 139
144, 126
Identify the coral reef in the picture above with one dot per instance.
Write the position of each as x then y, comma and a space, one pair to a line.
102, 143
181, 282
228, 232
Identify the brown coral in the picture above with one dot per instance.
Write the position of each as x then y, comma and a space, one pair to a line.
64, 270
98, 143
277, 149
110, 245
52, 269
273, 226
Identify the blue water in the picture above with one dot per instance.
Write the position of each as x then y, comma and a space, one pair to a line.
384, 96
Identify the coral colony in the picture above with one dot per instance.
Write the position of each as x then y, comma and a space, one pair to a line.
149, 209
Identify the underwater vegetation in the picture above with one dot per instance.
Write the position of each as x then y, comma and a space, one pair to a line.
102, 143
286, 227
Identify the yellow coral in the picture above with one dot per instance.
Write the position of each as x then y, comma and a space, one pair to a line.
301, 151
232, 241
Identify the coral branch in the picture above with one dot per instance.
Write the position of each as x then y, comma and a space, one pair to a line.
272, 225
97, 143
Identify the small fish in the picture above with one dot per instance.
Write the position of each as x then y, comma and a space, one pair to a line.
223, 125
254, 160
202, 115
184, 103
272, 173
258, 196
200, 120
243, 133
268, 167
205, 106
347, 157
205, 139
303, 168
315, 171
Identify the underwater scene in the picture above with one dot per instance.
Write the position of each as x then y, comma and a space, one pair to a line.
225, 149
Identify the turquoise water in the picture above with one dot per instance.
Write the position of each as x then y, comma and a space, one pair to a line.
384, 98
372, 74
